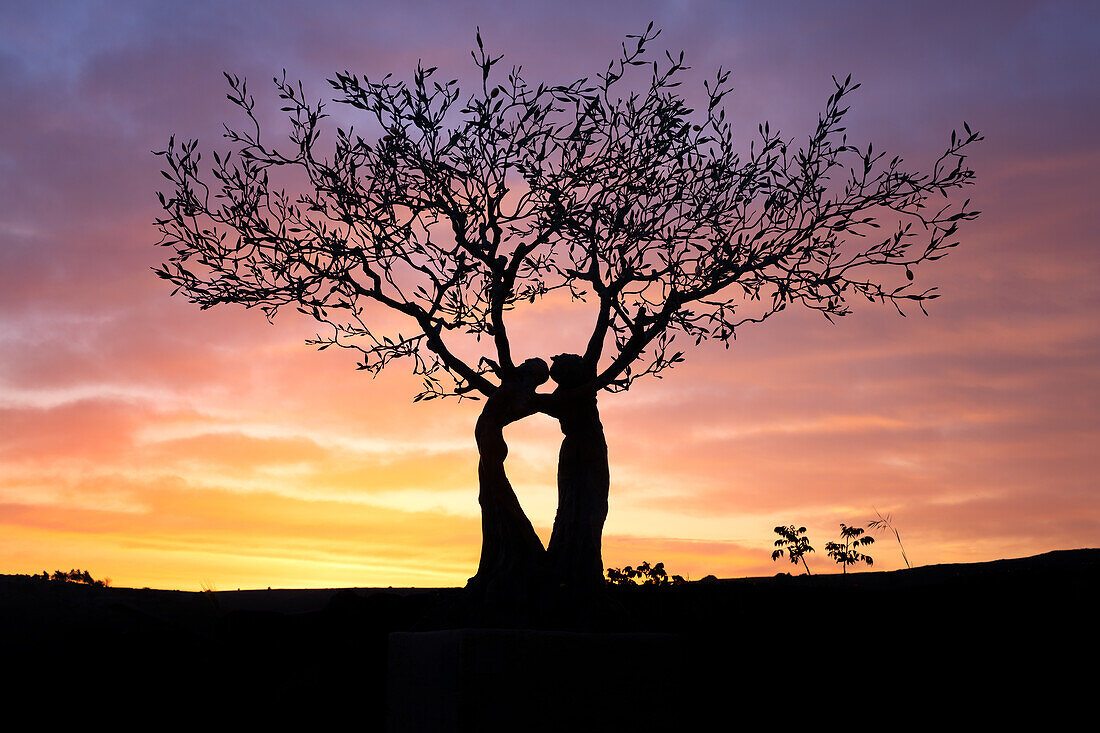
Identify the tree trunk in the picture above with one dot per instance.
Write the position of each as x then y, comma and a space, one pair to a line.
574, 556
512, 556
515, 572
511, 552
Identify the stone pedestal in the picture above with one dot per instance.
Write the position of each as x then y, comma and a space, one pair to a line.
520, 680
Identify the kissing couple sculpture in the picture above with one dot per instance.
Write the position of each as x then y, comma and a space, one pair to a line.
514, 563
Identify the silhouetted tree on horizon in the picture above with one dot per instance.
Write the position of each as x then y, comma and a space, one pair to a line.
847, 552
795, 543
451, 212
83, 577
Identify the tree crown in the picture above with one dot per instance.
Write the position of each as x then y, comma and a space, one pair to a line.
456, 212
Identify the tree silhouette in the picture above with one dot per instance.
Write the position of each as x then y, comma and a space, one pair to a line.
75, 576
795, 543
450, 212
847, 553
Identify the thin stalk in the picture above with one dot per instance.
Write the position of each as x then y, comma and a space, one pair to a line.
887, 523
903, 557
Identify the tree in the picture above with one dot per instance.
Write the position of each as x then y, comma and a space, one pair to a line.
847, 553
75, 576
451, 214
795, 543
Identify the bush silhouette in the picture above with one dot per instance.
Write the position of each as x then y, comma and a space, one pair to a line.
795, 543
847, 553
644, 574
74, 576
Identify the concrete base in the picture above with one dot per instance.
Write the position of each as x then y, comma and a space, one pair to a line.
519, 680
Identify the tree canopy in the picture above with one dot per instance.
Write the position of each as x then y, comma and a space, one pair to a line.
450, 211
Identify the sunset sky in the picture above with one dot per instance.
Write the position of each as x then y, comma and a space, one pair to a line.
164, 446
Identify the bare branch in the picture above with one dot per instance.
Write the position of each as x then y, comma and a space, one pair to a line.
451, 214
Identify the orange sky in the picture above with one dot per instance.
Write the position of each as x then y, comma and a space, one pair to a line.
162, 446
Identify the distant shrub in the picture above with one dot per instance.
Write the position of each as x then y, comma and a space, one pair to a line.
74, 576
795, 543
847, 553
645, 574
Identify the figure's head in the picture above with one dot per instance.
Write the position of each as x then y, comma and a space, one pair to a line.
533, 372
569, 370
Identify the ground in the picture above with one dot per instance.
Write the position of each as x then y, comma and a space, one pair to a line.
988, 635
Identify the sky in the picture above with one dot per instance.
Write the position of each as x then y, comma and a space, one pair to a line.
164, 446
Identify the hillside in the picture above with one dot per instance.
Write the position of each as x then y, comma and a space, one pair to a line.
1005, 625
